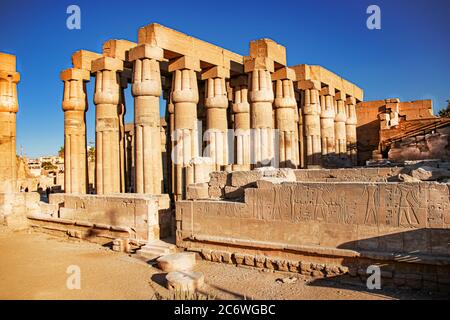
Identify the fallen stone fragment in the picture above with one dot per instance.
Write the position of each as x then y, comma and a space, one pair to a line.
183, 261
185, 281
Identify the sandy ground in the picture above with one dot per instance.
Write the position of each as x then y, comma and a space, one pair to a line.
34, 265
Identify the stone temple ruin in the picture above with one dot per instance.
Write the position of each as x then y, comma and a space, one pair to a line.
255, 163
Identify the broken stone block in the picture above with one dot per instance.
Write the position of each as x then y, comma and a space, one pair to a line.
245, 178
215, 192
260, 261
184, 281
226, 257
197, 191
218, 179
426, 173
234, 192
239, 258
407, 178
216, 256
177, 262
249, 260
207, 254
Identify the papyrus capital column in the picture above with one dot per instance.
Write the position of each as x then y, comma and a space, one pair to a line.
286, 117
350, 128
339, 125
327, 115
259, 71
216, 103
185, 98
311, 110
106, 99
241, 111
8, 109
74, 106
147, 125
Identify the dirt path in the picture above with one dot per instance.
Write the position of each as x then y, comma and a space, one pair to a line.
34, 265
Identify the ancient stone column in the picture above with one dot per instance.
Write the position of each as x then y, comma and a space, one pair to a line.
74, 106
301, 145
339, 125
241, 111
124, 179
8, 109
350, 130
285, 117
216, 103
106, 99
311, 121
327, 115
146, 91
261, 113
185, 98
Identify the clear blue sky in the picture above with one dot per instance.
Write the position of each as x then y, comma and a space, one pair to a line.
408, 58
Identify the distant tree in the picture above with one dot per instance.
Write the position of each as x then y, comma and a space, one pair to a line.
445, 113
48, 166
91, 154
61, 152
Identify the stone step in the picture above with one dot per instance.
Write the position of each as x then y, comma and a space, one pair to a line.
187, 281
183, 261
155, 249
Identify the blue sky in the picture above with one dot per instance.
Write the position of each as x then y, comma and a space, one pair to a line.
408, 58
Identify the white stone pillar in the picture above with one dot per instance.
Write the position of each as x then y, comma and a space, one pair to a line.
339, 125
185, 98
286, 117
75, 107
311, 121
216, 103
327, 121
350, 130
106, 99
241, 111
146, 91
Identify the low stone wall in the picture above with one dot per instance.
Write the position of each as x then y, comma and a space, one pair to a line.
94, 232
231, 185
127, 210
403, 227
14, 208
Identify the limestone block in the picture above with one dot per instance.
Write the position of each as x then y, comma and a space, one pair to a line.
233, 192
218, 179
82, 59
284, 74
183, 261
215, 72
107, 63
118, 48
426, 173
259, 63
197, 191
184, 62
268, 48
75, 74
146, 51
245, 178
407, 178
186, 281
7, 62
215, 192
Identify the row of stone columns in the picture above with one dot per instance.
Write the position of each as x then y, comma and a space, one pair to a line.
266, 99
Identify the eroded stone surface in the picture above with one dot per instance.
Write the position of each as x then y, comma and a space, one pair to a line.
185, 280
183, 261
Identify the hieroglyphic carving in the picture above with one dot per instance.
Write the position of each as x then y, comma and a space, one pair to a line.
391, 204
373, 203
